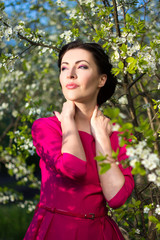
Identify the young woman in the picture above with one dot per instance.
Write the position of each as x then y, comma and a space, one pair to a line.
73, 194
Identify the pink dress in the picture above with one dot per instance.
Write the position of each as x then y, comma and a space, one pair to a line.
72, 186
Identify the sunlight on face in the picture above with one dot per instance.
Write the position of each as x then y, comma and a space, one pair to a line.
79, 76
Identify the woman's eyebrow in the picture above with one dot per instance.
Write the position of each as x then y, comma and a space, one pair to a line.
76, 62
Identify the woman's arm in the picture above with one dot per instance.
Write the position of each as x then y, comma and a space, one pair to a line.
47, 138
112, 180
71, 142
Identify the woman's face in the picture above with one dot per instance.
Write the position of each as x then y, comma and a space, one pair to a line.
79, 76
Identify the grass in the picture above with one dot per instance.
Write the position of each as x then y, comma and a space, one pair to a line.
14, 222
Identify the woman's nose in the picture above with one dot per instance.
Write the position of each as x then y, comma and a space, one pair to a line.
72, 73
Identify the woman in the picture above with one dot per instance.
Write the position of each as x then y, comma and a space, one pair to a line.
73, 194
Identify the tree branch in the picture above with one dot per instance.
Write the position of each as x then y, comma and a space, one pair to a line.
138, 196
116, 19
83, 12
37, 43
31, 41
144, 188
135, 81
6, 130
140, 7
107, 2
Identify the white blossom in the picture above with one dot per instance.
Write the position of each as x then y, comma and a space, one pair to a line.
158, 172
154, 158
15, 170
146, 209
115, 127
66, 35
14, 113
18, 28
130, 37
122, 115
60, 3
91, 2
142, 144
124, 34
26, 105
157, 210
44, 49
38, 111
17, 132
145, 153
139, 150
152, 177
131, 152
121, 40
4, 105
137, 231
72, 13
12, 198
133, 162
31, 152
123, 100
148, 164
8, 31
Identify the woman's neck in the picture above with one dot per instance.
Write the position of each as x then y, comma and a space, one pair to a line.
83, 115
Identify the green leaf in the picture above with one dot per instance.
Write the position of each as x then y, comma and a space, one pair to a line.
115, 154
126, 126
153, 219
123, 48
100, 158
121, 65
104, 167
128, 18
115, 71
111, 112
130, 59
133, 201
138, 169
158, 227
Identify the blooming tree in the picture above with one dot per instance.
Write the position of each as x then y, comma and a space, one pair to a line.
31, 33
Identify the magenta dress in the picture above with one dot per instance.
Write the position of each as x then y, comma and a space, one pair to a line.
72, 205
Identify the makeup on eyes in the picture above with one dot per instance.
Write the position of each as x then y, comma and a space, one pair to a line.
77, 62
83, 66
80, 66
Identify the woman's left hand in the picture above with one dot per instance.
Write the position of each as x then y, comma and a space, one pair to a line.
100, 124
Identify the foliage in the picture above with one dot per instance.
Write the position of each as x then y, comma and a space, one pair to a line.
13, 222
32, 33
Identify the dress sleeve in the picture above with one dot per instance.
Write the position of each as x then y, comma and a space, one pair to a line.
120, 198
47, 139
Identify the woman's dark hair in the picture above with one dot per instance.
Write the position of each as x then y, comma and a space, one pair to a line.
102, 62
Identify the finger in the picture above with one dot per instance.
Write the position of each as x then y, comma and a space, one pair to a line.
95, 112
109, 128
70, 102
99, 113
58, 115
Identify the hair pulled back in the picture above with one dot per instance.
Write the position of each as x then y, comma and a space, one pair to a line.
102, 62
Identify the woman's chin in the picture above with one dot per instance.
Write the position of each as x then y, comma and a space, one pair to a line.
71, 98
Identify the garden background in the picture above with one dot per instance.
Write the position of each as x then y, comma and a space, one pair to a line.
31, 34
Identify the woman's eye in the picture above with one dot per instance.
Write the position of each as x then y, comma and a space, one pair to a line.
83, 67
63, 68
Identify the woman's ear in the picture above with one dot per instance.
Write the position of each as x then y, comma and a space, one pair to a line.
102, 80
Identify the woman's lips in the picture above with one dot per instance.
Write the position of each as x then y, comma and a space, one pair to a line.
71, 85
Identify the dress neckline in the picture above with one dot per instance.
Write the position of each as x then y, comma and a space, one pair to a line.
80, 131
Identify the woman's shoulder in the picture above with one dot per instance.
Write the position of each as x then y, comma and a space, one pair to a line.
47, 122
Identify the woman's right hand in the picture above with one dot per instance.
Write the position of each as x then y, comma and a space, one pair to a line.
68, 111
